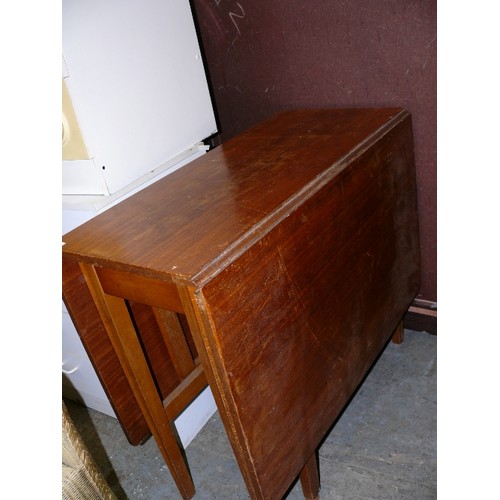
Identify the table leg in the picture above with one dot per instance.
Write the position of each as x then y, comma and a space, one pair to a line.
123, 336
309, 478
399, 333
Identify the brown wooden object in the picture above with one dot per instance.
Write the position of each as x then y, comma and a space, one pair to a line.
399, 333
93, 335
292, 253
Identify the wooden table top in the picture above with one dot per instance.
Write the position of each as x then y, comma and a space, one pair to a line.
191, 224
298, 242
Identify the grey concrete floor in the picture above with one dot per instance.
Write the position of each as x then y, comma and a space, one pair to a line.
382, 447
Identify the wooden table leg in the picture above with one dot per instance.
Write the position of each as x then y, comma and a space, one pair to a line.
309, 478
399, 333
125, 342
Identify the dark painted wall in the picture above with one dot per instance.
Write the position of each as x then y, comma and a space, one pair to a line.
264, 56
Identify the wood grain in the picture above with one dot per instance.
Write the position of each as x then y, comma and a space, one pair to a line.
189, 225
294, 250
312, 303
93, 335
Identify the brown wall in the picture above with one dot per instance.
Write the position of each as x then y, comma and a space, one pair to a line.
264, 56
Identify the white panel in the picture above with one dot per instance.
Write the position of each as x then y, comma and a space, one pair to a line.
82, 176
137, 68
71, 342
65, 72
192, 420
79, 375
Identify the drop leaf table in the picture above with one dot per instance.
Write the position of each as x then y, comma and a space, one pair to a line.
275, 268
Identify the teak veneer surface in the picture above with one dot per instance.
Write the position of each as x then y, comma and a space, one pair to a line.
294, 251
93, 335
189, 224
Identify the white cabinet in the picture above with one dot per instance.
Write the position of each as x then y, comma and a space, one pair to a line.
80, 382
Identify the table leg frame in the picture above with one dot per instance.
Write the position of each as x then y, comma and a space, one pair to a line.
120, 329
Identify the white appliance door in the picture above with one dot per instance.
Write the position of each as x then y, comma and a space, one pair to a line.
136, 79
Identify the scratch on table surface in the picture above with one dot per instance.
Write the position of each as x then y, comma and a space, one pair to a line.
281, 262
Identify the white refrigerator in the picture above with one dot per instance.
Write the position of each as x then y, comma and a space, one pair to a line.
135, 107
